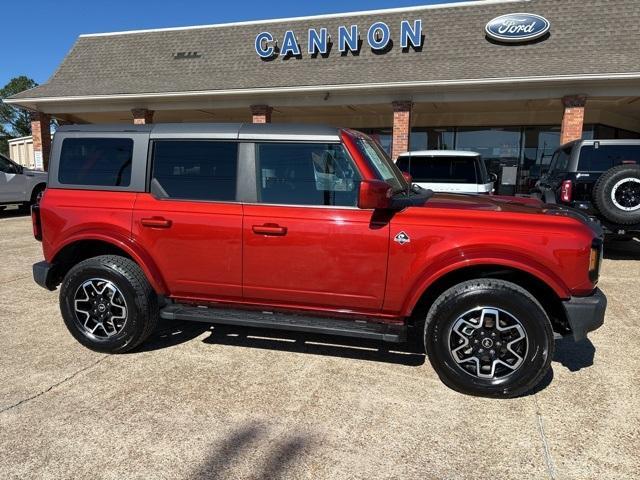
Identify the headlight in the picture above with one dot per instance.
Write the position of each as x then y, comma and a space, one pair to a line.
595, 259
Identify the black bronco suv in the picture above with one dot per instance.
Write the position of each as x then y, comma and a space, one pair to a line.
599, 177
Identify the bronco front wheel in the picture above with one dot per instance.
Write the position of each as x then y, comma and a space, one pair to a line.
489, 338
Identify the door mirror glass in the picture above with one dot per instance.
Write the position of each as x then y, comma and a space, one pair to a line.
407, 176
493, 177
374, 194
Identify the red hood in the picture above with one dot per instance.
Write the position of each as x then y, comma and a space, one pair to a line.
494, 203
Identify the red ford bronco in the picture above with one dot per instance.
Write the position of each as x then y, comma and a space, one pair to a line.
311, 229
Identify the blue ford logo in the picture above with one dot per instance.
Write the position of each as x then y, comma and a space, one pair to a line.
517, 27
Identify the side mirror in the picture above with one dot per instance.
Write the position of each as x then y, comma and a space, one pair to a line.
493, 177
407, 176
374, 194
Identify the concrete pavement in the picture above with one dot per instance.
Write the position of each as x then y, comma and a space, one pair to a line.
203, 402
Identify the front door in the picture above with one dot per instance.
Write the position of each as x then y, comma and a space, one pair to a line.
306, 244
190, 221
12, 183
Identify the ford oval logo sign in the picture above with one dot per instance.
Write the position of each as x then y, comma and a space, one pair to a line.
517, 27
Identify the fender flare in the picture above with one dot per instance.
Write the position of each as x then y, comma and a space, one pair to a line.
531, 267
126, 244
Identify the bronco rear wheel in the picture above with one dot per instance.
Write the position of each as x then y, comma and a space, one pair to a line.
108, 305
489, 338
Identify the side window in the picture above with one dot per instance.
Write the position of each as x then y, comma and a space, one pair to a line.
196, 170
560, 162
306, 174
605, 157
96, 161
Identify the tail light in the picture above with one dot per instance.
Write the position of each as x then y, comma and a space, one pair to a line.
566, 192
35, 221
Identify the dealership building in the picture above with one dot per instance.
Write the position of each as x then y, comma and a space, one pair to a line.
451, 76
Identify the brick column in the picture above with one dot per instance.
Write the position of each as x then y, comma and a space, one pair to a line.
142, 116
41, 132
401, 127
573, 118
261, 113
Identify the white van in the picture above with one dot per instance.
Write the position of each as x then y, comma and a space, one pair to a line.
450, 171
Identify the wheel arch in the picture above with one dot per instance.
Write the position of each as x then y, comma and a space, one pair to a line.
77, 249
538, 286
35, 188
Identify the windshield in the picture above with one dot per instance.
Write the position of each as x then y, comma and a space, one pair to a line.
441, 169
385, 169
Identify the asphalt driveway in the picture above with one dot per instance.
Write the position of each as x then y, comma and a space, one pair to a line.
204, 402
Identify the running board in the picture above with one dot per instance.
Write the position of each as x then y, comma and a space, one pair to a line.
286, 321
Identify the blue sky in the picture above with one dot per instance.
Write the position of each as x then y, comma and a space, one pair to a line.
39, 33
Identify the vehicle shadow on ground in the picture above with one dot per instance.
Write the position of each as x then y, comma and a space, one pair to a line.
12, 212
572, 355
283, 455
316, 344
170, 333
622, 250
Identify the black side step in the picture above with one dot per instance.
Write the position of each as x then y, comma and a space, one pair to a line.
286, 321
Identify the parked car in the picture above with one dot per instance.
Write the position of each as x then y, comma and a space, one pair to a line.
19, 185
599, 177
311, 229
447, 171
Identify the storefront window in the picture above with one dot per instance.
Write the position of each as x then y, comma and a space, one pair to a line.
604, 132
539, 145
384, 136
627, 134
431, 139
500, 149
517, 155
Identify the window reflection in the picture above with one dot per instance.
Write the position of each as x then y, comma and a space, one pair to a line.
500, 149
518, 155
432, 139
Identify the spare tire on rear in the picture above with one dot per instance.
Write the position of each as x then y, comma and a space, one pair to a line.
617, 194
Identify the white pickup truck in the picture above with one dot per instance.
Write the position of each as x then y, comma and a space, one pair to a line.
18, 185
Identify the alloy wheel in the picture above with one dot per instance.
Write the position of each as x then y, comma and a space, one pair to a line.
100, 308
488, 343
625, 194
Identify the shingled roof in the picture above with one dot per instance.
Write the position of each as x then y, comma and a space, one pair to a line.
588, 37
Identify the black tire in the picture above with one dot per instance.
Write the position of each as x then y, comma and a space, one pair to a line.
514, 302
604, 194
36, 193
139, 299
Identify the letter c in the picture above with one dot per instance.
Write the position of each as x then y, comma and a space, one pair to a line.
263, 47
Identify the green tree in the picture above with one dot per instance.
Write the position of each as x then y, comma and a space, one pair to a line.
14, 122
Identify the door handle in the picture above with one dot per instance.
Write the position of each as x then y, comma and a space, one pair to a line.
270, 229
156, 222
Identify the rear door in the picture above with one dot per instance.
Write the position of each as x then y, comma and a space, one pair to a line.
190, 221
306, 244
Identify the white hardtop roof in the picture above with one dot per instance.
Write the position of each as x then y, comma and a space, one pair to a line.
440, 153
